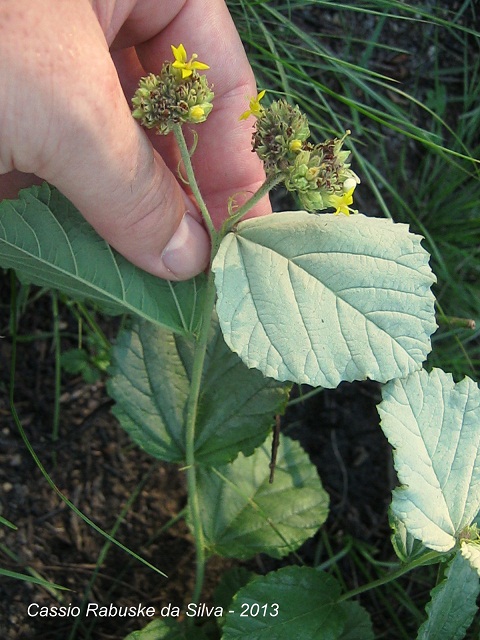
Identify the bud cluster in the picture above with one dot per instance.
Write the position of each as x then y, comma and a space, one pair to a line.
164, 100
319, 174
280, 132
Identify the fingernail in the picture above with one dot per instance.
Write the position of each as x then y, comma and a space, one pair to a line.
188, 251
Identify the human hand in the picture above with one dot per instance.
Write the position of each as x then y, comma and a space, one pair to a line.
68, 69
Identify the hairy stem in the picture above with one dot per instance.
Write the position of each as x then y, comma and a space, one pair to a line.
190, 424
192, 182
251, 202
197, 372
201, 349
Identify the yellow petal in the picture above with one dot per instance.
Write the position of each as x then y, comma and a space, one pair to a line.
199, 65
179, 53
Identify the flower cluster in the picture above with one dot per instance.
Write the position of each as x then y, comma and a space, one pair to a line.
319, 174
178, 94
280, 132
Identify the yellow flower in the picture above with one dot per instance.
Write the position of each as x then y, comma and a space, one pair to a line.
255, 107
186, 66
341, 203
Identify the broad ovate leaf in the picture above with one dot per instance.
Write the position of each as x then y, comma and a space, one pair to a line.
453, 603
318, 299
231, 581
471, 553
434, 426
294, 603
358, 625
244, 514
46, 240
150, 382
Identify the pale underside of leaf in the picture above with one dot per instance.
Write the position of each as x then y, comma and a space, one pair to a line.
471, 553
321, 299
452, 606
434, 426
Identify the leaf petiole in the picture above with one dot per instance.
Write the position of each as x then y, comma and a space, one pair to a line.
427, 558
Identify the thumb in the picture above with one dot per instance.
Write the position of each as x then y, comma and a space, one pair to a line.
87, 144
125, 190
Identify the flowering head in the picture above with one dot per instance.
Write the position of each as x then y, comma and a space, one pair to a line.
197, 113
178, 94
295, 145
319, 174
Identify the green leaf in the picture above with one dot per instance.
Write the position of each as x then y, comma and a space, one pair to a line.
78, 361
243, 514
7, 523
434, 426
230, 582
150, 381
167, 630
34, 580
298, 603
318, 299
358, 625
46, 240
453, 604
405, 545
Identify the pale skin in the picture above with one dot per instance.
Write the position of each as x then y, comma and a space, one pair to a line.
68, 69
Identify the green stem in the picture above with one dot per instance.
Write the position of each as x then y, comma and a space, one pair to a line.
197, 372
453, 322
190, 423
393, 575
200, 352
251, 202
192, 182
58, 369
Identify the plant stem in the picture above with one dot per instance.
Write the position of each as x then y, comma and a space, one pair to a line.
393, 575
251, 202
192, 182
190, 424
58, 370
201, 349
453, 322
197, 372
